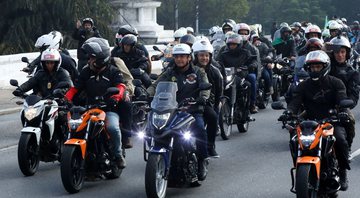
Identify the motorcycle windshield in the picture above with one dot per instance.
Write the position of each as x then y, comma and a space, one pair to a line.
165, 96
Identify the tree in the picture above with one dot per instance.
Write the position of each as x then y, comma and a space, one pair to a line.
26, 20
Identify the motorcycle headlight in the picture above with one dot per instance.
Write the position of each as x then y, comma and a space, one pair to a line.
307, 140
187, 135
74, 124
160, 120
31, 112
228, 78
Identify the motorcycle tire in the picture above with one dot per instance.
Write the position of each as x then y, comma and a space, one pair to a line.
277, 89
28, 154
72, 172
224, 119
305, 178
155, 181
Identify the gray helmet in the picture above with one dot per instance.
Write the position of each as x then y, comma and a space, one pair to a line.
188, 39
98, 48
129, 39
340, 41
127, 29
88, 20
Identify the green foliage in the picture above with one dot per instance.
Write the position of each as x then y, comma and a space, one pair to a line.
26, 20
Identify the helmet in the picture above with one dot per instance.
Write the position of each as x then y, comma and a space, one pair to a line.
228, 23
202, 46
98, 48
188, 39
344, 20
283, 24
88, 20
202, 37
296, 24
190, 30
235, 39
356, 23
129, 39
317, 56
127, 29
253, 36
57, 35
181, 49
338, 42
51, 55
333, 25
47, 41
314, 43
179, 33
213, 30
228, 34
285, 29
312, 29
243, 26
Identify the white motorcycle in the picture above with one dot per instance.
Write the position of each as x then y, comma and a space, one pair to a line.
43, 135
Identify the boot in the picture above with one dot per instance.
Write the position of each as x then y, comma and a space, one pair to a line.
344, 183
202, 171
120, 162
254, 109
126, 142
212, 152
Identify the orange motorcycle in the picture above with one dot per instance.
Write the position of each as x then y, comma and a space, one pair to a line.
87, 151
315, 172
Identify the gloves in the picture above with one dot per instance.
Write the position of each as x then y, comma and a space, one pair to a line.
343, 117
137, 72
70, 94
285, 116
122, 93
18, 92
201, 101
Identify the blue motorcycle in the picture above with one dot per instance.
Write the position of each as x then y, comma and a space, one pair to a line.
169, 144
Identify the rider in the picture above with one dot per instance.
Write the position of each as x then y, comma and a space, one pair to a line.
53, 40
135, 59
317, 95
236, 56
125, 30
84, 30
188, 78
94, 79
285, 45
48, 77
311, 31
228, 25
334, 29
340, 53
203, 58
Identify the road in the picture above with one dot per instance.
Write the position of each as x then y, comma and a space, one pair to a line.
254, 164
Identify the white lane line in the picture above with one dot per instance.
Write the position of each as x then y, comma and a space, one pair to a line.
8, 148
354, 154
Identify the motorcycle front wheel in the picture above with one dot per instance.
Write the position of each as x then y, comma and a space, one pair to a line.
225, 119
72, 172
155, 178
306, 180
28, 154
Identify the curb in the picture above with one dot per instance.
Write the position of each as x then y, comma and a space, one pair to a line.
10, 110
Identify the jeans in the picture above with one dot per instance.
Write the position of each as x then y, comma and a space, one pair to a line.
252, 79
112, 126
198, 128
267, 76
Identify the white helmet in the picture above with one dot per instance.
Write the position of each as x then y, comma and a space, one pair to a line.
180, 33
181, 49
333, 25
202, 46
243, 26
51, 55
47, 41
312, 29
190, 30
214, 29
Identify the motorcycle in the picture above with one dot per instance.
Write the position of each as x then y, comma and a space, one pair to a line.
42, 135
234, 106
169, 145
315, 172
165, 56
281, 77
87, 151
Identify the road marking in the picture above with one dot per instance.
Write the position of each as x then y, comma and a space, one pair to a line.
354, 154
8, 148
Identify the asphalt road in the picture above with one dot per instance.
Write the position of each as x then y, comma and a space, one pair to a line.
251, 165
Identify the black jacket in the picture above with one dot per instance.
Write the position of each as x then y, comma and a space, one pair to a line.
135, 59
43, 83
67, 63
318, 97
82, 35
95, 84
349, 77
286, 48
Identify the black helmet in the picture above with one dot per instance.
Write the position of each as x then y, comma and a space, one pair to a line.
285, 29
188, 39
98, 48
316, 57
88, 20
127, 29
129, 39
